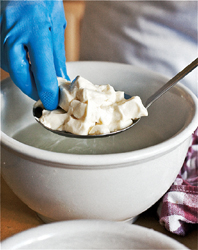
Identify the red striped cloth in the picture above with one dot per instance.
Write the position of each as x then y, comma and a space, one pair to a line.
179, 207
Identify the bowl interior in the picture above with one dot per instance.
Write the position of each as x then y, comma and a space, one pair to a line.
168, 116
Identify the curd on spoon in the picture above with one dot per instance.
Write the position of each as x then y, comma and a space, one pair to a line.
88, 109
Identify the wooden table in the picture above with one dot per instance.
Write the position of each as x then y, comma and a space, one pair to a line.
17, 217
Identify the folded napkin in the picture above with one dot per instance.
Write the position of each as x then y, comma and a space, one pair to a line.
178, 209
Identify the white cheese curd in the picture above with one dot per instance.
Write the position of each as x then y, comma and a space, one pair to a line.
92, 109
53, 119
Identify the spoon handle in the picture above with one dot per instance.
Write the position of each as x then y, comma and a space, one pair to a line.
171, 83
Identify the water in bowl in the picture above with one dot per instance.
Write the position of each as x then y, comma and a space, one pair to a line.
133, 139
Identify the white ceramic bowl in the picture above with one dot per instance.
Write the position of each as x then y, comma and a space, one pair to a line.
90, 234
114, 178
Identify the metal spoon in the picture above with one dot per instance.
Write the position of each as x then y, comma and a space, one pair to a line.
37, 108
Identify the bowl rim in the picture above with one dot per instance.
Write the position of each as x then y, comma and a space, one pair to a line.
104, 160
76, 227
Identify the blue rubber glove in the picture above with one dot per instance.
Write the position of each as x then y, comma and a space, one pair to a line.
32, 47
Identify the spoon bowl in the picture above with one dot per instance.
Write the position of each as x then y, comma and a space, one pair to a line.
38, 107
37, 113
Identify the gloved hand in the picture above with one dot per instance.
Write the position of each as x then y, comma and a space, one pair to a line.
32, 47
